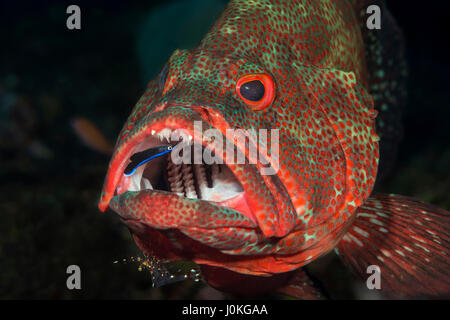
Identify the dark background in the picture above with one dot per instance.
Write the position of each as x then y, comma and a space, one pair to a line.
50, 181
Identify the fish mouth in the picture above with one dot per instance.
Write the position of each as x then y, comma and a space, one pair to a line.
214, 183
222, 214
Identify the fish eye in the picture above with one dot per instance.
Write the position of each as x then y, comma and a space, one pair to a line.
163, 77
256, 90
252, 90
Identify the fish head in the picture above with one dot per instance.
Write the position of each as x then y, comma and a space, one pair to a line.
310, 158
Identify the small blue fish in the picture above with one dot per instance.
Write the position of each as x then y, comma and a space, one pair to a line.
139, 158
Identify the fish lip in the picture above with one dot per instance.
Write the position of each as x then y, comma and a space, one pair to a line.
117, 204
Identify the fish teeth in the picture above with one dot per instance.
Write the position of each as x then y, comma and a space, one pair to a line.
164, 134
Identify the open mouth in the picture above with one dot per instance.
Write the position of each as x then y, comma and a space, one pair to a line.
215, 182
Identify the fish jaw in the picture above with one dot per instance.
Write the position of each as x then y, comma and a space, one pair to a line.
247, 209
214, 225
193, 243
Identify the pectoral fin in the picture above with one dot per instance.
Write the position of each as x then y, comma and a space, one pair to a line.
408, 239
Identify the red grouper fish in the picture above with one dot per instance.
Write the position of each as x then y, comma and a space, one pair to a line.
300, 67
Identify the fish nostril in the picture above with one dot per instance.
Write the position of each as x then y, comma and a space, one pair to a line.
161, 106
205, 114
